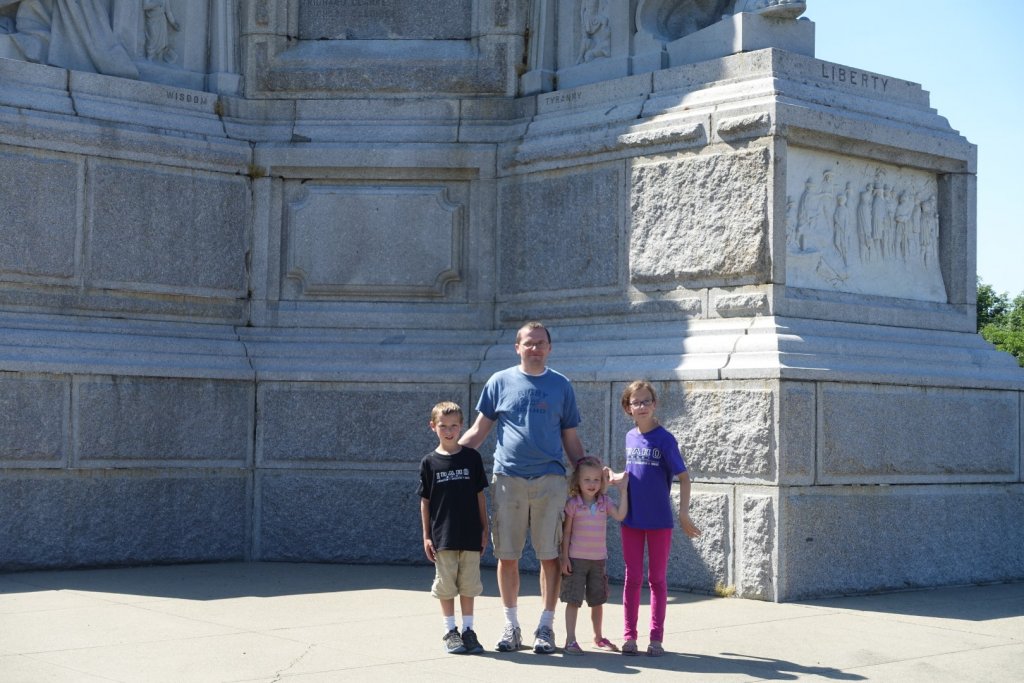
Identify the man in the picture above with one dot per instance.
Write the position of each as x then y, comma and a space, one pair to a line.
536, 415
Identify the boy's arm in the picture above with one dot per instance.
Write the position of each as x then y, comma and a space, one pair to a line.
563, 558
476, 434
685, 523
619, 513
428, 543
481, 500
572, 445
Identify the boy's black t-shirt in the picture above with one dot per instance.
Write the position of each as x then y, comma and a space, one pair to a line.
451, 484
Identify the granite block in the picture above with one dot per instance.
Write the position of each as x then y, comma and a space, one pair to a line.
326, 424
125, 421
41, 222
843, 540
872, 433
700, 219
155, 229
726, 430
35, 428
355, 517
560, 232
797, 401
98, 517
757, 569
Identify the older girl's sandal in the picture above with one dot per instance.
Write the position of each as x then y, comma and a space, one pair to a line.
655, 649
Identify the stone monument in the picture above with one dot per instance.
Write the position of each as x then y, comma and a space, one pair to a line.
245, 247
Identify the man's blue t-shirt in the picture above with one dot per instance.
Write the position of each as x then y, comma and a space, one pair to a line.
530, 413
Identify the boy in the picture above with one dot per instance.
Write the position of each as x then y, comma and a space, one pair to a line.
453, 511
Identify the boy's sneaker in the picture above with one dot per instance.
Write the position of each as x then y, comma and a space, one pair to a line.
471, 642
453, 644
511, 639
544, 640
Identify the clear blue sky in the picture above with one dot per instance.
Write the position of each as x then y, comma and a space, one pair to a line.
970, 57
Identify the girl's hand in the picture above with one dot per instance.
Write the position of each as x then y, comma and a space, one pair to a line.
566, 566
687, 525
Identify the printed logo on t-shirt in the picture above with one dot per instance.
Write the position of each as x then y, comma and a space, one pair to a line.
446, 476
532, 400
643, 456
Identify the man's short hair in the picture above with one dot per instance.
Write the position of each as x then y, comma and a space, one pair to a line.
529, 327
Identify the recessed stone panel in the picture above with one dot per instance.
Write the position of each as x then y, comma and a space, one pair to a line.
41, 218
840, 540
89, 518
333, 517
560, 232
700, 218
374, 240
860, 226
34, 423
167, 231
322, 424
871, 432
127, 420
385, 19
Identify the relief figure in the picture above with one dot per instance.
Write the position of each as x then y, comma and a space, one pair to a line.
596, 32
159, 24
879, 218
841, 224
904, 210
864, 235
72, 34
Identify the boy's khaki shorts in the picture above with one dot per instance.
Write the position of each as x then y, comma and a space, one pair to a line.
457, 573
520, 504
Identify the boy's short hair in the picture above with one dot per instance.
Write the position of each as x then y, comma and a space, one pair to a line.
446, 408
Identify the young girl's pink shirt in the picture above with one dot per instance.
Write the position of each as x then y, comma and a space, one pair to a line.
589, 528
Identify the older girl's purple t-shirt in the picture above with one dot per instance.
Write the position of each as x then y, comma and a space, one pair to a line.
652, 462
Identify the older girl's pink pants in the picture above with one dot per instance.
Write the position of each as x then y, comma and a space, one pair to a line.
659, 544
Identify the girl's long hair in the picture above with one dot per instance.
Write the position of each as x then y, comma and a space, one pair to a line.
574, 480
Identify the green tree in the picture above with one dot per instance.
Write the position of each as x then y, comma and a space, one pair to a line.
992, 307
1001, 321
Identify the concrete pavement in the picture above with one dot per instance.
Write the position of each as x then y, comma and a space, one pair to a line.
306, 623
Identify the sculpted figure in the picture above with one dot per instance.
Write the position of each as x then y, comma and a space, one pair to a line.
840, 224
904, 210
73, 34
670, 20
867, 241
159, 23
596, 32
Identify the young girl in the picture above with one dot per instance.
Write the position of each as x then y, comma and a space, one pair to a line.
652, 460
584, 548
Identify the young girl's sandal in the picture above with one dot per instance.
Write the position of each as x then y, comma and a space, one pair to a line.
655, 649
629, 648
606, 645
573, 648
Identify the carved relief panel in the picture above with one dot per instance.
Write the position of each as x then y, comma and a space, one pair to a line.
860, 226
188, 43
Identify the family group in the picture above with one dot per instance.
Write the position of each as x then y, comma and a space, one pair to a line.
533, 413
